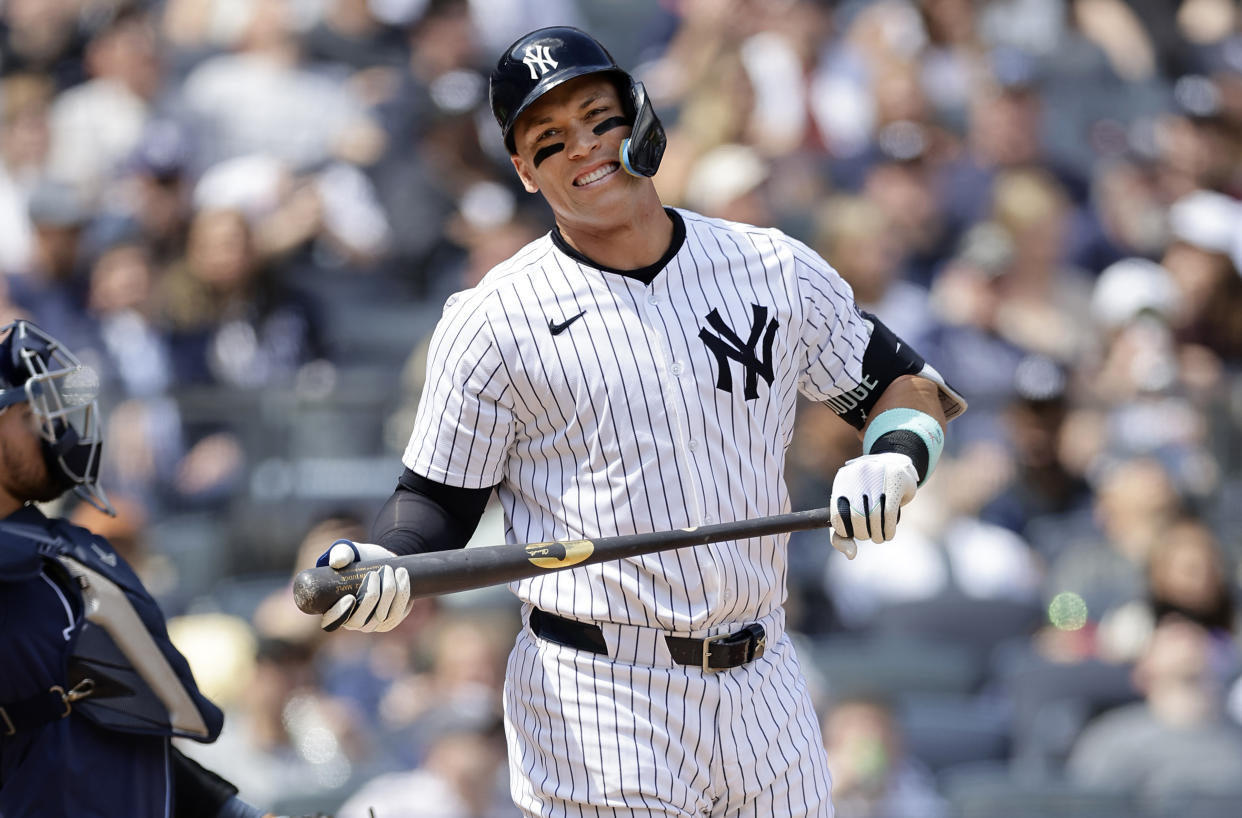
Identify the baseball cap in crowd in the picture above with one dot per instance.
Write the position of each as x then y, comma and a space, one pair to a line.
251, 184
163, 152
1210, 221
486, 205
1039, 379
1197, 97
1014, 69
724, 174
1132, 287
57, 204
903, 141
108, 231
988, 247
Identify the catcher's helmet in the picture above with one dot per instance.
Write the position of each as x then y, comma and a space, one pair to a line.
547, 57
37, 369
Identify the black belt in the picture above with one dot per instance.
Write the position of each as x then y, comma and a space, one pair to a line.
719, 652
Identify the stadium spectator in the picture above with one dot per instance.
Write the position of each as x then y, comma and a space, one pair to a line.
462, 775
24, 138
97, 124
902, 181
968, 341
872, 775
1203, 260
1136, 502
352, 37
230, 321
51, 287
1044, 305
261, 98
43, 37
857, 235
1045, 498
1187, 578
1178, 740
152, 189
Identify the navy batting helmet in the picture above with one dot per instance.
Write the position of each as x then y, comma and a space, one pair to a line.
547, 57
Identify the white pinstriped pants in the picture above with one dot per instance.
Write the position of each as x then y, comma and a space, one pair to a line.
590, 735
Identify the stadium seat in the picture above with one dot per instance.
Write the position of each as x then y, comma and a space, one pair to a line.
946, 731
890, 666
991, 791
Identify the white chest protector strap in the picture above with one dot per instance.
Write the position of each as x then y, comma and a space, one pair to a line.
107, 606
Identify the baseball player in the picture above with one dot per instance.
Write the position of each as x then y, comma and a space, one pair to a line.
635, 370
92, 690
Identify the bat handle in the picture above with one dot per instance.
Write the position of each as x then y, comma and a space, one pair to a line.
315, 590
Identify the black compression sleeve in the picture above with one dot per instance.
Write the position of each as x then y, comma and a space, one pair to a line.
423, 515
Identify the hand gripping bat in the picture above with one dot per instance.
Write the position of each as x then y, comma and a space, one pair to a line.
315, 590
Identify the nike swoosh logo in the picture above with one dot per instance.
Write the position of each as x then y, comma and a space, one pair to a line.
557, 329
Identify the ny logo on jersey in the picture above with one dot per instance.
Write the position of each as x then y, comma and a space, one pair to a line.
539, 60
728, 346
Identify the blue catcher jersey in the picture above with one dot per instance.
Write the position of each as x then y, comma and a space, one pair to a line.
111, 755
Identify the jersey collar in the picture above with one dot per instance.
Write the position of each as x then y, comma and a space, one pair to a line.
28, 513
644, 274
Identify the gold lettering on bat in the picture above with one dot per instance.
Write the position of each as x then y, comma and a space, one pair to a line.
559, 554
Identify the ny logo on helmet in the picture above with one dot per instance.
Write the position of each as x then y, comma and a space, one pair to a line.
539, 60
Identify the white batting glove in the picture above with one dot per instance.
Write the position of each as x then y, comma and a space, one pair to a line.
867, 495
383, 599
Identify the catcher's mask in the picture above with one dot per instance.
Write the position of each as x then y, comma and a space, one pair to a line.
37, 369
547, 57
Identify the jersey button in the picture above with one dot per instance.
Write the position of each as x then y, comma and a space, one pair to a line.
693, 445
676, 368
653, 299
709, 520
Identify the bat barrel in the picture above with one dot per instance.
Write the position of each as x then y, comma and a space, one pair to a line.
315, 590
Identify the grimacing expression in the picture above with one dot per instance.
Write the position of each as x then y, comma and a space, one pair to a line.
569, 143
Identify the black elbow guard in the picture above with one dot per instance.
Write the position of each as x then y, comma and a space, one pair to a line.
888, 358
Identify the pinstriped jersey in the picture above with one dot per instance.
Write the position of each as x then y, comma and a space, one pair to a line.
600, 405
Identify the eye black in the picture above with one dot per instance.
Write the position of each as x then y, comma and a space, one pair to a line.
546, 151
610, 123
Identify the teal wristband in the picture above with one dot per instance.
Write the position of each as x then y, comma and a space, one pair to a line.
911, 420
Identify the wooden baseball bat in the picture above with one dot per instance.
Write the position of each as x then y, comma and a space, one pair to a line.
315, 590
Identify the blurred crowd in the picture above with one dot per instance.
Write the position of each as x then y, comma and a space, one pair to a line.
246, 214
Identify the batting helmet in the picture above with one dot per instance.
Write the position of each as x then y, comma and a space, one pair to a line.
547, 57
37, 369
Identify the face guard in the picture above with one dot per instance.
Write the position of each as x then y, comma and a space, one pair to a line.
644, 147
35, 368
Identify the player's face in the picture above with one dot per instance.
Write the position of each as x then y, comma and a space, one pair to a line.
569, 146
23, 474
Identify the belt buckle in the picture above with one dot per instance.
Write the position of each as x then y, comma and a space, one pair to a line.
707, 650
